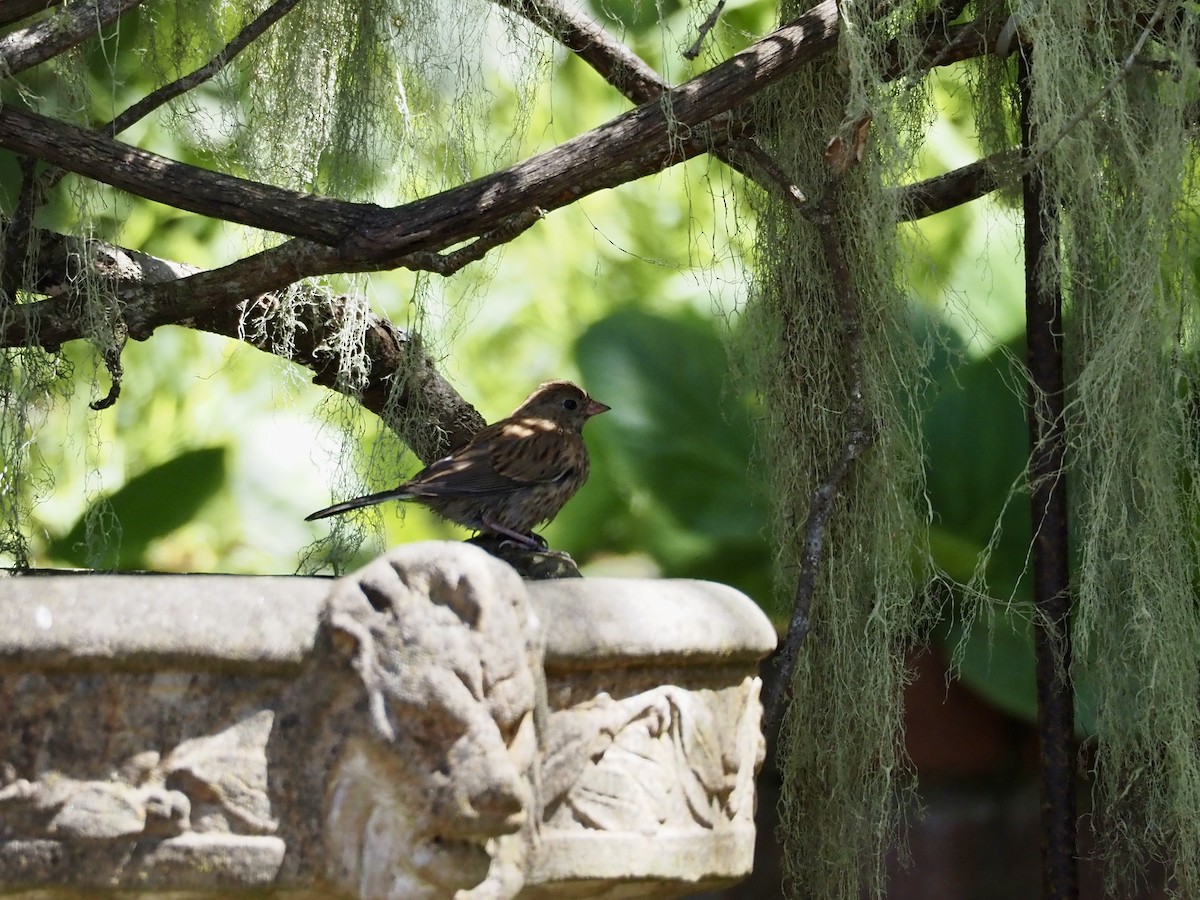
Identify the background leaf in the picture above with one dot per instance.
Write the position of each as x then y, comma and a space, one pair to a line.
679, 443
149, 506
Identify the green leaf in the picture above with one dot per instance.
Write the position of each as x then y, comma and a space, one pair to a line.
149, 506
678, 444
996, 659
975, 433
673, 421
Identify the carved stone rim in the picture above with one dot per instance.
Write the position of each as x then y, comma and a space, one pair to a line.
269, 622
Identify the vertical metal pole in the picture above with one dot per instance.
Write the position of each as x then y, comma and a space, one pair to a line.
1052, 596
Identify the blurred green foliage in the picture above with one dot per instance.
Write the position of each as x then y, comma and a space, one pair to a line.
215, 452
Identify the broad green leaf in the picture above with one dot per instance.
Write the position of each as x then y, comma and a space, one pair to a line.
677, 444
977, 450
996, 659
148, 506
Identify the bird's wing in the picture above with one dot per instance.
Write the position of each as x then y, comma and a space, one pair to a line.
507, 456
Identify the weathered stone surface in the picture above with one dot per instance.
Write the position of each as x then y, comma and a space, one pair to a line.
593, 622
158, 621
390, 734
447, 649
653, 737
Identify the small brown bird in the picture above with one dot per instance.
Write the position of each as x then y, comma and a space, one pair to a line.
513, 475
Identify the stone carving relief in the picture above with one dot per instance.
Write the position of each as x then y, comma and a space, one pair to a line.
402, 745
214, 782
436, 796
661, 759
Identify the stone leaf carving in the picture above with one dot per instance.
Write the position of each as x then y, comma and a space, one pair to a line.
224, 775
58, 806
664, 758
436, 795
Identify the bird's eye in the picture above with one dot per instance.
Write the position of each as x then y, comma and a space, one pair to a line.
570, 403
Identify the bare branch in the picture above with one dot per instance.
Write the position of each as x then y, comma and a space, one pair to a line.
638, 81
656, 134
176, 184
35, 185
705, 27
214, 294
773, 174
970, 182
168, 92
945, 46
660, 133
27, 47
449, 263
424, 410
632, 76
616, 63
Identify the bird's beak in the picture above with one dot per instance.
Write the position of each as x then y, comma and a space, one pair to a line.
595, 407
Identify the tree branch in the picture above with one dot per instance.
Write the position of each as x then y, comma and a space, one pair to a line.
36, 185
612, 60
705, 27
964, 184
659, 133
330, 235
638, 82
443, 420
644, 140
16, 10
943, 46
27, 47
168, 92
176, 184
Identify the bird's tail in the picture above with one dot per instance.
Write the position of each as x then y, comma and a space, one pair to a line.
359, 502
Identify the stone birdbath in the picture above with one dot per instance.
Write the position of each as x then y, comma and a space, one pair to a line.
431, 726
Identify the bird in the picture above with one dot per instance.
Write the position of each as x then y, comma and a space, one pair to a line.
512, 476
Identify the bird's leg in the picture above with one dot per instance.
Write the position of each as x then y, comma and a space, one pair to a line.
532, 541
541, 541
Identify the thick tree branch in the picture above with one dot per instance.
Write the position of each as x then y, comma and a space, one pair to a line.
660, 133
640, 83
176, 184
402, 385
443, 420
35, 185
16, 10
668, 128
336, 236
200, 294
27, 47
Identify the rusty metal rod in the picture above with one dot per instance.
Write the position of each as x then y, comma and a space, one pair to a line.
1048, 498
